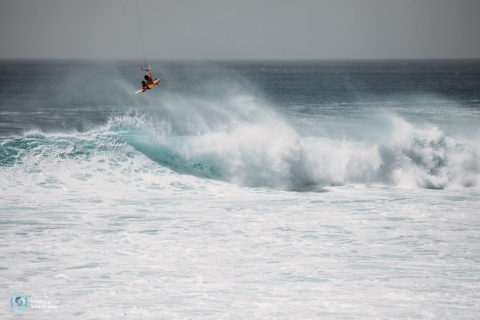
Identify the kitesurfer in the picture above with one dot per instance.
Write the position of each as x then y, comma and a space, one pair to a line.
148, 82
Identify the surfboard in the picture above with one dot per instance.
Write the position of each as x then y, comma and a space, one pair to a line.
157, 81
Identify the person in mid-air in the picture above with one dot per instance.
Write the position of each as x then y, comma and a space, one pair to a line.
148, 82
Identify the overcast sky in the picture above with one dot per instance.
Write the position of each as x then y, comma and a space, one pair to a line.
243, 29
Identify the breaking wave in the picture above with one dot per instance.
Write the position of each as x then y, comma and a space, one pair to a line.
243, 141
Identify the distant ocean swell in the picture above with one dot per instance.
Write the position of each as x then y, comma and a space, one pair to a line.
252, 146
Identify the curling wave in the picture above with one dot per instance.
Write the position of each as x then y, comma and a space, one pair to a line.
248, 144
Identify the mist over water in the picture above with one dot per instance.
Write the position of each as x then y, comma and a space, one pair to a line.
245, 151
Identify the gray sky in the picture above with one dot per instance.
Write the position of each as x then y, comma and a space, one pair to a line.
243, 29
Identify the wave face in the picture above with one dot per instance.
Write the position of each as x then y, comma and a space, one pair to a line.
242, 141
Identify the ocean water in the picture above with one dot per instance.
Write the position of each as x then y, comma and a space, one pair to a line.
260, 190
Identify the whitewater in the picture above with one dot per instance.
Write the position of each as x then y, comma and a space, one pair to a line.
266, 190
